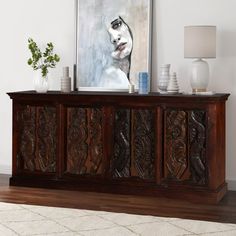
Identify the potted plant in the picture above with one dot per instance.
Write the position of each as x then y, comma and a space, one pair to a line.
41, 62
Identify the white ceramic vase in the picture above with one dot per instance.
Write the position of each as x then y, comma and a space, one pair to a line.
164, 77
40, 82
65, 81
173, 86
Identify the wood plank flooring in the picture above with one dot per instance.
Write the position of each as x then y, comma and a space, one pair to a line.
225, 211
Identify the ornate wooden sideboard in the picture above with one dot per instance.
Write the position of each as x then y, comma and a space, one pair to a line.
161, 145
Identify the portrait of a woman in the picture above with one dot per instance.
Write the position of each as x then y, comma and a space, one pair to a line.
113, 43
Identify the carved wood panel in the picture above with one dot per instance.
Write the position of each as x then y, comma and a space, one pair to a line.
185, 143
85, 154
134, 150
121, 162
197, 146
176, 156
37, 138
143, 143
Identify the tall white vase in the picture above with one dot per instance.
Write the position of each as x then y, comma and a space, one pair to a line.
40, 82
164, 77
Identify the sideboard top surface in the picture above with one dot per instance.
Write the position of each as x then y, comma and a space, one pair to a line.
104, 96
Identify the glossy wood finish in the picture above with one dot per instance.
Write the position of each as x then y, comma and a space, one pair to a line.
160, 145
225, 211
84, 145
37, 137
185, 146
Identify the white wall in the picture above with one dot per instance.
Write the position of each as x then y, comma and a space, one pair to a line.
52, 20
45, 21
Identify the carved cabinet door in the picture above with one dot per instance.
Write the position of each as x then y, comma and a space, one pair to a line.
133, 147
36, 139
185, 146
85, 141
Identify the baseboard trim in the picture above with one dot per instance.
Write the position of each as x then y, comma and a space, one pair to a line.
4, 169
231, 185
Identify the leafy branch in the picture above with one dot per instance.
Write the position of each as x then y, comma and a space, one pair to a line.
39, 60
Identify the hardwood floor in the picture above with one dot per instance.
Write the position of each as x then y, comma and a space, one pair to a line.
225, 211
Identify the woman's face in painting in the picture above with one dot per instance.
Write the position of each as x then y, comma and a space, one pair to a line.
121, 38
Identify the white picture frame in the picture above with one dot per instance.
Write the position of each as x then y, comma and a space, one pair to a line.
112, 43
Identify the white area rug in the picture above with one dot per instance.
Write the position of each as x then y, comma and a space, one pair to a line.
18, 219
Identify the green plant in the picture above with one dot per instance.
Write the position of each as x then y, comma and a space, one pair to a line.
40, 60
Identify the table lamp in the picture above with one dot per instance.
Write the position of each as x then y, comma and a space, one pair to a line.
199, 43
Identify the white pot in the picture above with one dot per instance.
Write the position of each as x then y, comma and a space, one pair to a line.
40, 82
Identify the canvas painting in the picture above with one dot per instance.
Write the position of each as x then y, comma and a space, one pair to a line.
113, 43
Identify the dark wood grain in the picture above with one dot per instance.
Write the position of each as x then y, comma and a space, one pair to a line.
84, 141
225, 211
176, 162
143, 144
159, 145
197, 146
185, 146
120, 160
36, 127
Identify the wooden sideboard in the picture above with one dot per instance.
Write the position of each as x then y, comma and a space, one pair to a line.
161, 145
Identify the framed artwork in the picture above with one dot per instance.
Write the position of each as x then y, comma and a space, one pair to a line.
113, 43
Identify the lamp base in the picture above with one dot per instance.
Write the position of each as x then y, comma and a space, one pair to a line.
200, 76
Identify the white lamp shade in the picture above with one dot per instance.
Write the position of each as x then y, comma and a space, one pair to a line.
200, 41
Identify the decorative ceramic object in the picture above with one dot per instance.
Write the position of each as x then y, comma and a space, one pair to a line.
143, 82
164, 77
65, 81
40, 82
131, 88
173, 84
